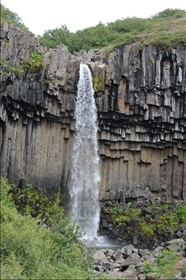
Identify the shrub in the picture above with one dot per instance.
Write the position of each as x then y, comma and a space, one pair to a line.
36, 62
29, 251
6, 68
183, 272
11, 17
162, 265
163, 219
181, 213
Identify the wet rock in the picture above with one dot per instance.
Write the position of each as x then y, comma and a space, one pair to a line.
151, 276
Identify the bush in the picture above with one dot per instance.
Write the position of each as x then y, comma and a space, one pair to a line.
36, 62
181, 213
170, 13
11, 17
162, 265
163, 218
29, 251
183, 272
162, 30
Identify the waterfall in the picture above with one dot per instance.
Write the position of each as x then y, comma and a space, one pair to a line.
84, 185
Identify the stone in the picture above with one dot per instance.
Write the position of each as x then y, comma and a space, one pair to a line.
117, 254
99, 268
130, 261
158, 249
109, 252
22, 183
99, 255
114, 265
144, 252
179, 264
104, 261
174, 247
151, 276
127, 250
179, 233
135, 240
178, 241
141, 276
150, 258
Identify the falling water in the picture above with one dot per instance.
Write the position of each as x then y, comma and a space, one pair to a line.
85, 177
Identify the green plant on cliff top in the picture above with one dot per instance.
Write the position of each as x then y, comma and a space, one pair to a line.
161, 30
11, 17
36, 62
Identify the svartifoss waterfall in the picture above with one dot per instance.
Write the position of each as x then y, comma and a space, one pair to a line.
84, 189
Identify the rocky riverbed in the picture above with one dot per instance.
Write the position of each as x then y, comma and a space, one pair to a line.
165, 261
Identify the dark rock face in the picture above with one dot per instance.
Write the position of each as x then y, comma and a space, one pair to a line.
141, 101
142, 129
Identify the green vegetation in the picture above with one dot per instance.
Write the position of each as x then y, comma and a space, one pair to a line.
10, 17
6, 67
163, 264
98, 83
181, 213
162, 30
31, 251
161, 219
36, 62
29, 201
183, 273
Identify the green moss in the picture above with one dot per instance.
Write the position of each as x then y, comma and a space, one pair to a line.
163, 219
35, 63
98, 83
151, 59
108, 50
6, 67
147, 229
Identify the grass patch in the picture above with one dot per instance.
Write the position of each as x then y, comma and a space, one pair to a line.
162, 265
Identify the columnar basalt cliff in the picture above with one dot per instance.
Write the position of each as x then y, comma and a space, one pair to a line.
141, 102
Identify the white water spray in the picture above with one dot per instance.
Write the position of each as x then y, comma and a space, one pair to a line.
84, 188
